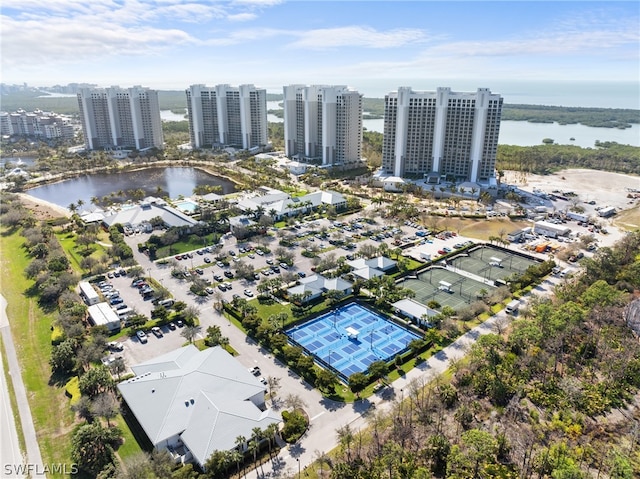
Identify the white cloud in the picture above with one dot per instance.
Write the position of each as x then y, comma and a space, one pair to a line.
242, 17
62, 40
357, 36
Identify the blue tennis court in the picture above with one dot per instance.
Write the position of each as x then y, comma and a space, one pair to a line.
350, 338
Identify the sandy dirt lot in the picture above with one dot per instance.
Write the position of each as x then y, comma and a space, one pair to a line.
600, 186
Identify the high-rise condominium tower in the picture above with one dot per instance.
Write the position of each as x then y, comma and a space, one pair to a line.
117, 117
229, 116
323, 123
441, 133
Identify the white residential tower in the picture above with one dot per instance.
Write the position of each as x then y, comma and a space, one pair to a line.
120, 118
441, 134
227, 116
323, 124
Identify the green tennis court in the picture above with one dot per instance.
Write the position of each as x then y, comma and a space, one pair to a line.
444, 286
490, 263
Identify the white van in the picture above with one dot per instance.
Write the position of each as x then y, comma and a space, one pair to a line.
512, 307
123, 313
565, 272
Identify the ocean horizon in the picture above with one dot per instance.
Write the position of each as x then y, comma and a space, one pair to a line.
587, 94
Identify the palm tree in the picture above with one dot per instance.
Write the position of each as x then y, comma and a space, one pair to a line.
241, 442
257, 434
190, 332
270, 433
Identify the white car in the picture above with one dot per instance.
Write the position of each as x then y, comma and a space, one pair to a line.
248, 292
142, 336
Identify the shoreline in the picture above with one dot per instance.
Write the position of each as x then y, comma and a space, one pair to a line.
42, 209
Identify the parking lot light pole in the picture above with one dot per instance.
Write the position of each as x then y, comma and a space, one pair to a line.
298, 459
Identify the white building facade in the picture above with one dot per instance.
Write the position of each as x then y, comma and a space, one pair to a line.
227, 116
323, 124
442, 134
38, 124
120, 118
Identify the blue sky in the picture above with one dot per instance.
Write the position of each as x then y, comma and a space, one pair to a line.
373, 46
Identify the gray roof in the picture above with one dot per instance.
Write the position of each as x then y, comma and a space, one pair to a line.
368, 272
226, 419
414, 309
188, 392
144, 212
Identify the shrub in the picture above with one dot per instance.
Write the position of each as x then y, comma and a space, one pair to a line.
295, 424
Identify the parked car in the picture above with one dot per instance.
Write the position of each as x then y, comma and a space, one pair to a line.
255, 371
157, 332
142, 336
115, 346
248, 293
172, 326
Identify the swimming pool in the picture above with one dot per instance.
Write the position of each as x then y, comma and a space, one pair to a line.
348, 339
186, 206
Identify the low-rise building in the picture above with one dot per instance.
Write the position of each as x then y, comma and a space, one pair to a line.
312, 287
101, 314
192, 403
550, 229
88, 293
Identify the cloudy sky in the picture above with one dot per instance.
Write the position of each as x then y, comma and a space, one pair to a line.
379, 45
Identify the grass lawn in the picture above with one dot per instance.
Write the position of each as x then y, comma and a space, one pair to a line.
628, 219
479, 229
31, 330
190, 243
76, 253
130, 446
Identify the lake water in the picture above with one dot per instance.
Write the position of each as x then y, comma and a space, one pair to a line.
524, 133
168, 115
174, 181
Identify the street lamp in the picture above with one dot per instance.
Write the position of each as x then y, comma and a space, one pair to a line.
298, 459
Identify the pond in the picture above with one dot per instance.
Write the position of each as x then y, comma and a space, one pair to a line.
172, 181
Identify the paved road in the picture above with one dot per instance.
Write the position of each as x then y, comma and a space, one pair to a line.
10, 450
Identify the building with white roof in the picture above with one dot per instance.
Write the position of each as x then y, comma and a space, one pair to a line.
192, 403
315, 285
417, 312
101, 314
149, 209
278, 204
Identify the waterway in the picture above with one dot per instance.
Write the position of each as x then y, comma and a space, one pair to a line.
173, 181
520, 133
